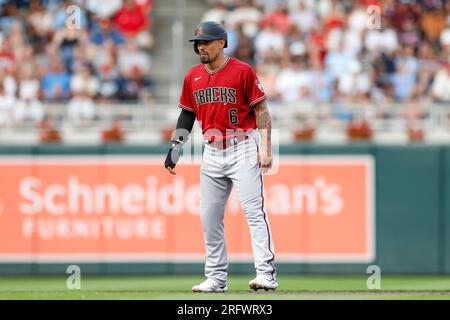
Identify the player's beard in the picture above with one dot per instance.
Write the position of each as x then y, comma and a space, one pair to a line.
205, 58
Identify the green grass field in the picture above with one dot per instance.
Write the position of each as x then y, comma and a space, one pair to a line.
304, 287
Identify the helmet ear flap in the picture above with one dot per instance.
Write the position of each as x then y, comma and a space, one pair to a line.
196, 47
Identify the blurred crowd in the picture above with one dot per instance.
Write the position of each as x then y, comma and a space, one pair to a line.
342, 51
83, 52
78, 53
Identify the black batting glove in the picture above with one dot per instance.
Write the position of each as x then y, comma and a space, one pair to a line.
173, 155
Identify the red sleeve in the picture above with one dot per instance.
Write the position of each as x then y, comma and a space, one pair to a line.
186, 96
253, 90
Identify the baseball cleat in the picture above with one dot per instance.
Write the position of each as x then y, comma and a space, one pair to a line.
263, 281
210, 285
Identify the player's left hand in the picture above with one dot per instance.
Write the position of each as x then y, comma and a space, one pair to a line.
264, 161
173, 156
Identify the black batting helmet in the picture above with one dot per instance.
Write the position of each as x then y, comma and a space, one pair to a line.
209, 30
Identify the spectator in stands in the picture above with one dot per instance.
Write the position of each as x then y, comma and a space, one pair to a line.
135, 87
245, 50
145, 5
28, 111
322, 7
8, 16
441, 84
295, 41
382, 40
81, 108
134, 67
9, 82
217, 13
383, 68
444, 38
64, 43
105, 66
403, 82
56, 82
109, 82
354, 85
29, 85
17, 41
83, 81
269, 5
424, 85
404, 10
303, 18
84, 88
39, 26
7, 58
427, 58
40, 21
350, 38
269, 39
335, 17
357, 18
322, 82
7, 103
104, 9
279, 19
338, 61
316, 41
407, 56
294, 82
28, 108
130, 60
268, 71
432, 22
410, 34
104, 30
268, 81
132, 21
247, 15
233, 40
105, 54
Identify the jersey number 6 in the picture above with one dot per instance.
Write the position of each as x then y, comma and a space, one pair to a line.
232, 115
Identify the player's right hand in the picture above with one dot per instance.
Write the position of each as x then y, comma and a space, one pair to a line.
173, 156
171, 170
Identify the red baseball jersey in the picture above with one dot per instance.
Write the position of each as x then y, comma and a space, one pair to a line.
222, 99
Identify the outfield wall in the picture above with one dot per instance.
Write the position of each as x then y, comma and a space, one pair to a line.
383, 205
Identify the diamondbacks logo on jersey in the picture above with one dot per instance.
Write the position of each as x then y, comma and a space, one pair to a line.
215, 94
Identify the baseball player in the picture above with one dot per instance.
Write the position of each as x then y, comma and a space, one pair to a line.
227, 99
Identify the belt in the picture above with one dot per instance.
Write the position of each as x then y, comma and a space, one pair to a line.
223, 144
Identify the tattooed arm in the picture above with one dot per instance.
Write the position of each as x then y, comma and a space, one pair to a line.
264, 124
